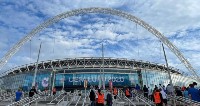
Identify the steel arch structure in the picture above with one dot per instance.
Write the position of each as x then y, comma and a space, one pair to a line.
110, 11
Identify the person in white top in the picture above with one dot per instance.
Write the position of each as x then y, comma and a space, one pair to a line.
164, 96
169, 89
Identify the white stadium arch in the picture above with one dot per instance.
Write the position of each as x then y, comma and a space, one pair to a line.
110, 11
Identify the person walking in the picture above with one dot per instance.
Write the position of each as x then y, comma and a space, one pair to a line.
32, 92
178, 91
127, 93
145, 90
157, 98
115, 92
194, 93
185, 93
109, 99
18, 95
164, 97
54, 91
169, 89
100, 98
92, 97
137, 87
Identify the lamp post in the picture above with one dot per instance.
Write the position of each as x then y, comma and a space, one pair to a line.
170, 79
63, 82
54, 77
36, 67
103, 67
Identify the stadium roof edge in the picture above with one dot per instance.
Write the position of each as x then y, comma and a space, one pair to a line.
128, 63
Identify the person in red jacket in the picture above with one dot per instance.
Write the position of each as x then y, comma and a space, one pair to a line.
100, 99
54, 91
127, 93
115, 92
157, 98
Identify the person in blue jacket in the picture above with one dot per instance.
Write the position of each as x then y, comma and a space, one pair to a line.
18, 95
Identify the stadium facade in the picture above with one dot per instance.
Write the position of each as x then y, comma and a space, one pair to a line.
73, 71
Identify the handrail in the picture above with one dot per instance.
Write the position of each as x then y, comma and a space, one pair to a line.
61, 99
119, 97
6, 96
186, 100
84, 100
24, 100
141, 97
67, 94
18, 101
74, 95
35, 99
127, 98
57, 97
78, 100
130, 101
32, 100
143, 101
11, 98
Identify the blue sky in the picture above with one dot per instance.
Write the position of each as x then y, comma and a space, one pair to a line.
82, 35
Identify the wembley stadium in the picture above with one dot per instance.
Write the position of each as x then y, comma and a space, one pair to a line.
122, 72
71, 72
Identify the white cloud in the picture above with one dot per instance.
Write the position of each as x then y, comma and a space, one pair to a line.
76, 37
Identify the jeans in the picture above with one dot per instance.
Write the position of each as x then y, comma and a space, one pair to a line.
109, 104
93, 103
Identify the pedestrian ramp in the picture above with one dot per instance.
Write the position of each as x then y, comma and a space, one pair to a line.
79, 98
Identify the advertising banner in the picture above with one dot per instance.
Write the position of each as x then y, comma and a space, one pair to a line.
93, 79
45, 82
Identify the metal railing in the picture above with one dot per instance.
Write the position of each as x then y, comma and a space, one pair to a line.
37, 97
129, 101
75, 95
56, 98
26, 99
140, 97
19, 102
31, 100
62, 99
7, 95
85, 99
78, 100
185, 101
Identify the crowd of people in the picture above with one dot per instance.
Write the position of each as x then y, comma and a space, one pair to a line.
98, 98
31, 93
159, 94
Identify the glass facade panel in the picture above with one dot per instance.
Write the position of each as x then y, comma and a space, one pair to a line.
149, 77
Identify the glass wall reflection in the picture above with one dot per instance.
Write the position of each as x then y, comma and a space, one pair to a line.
149, 77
